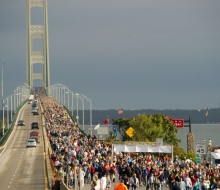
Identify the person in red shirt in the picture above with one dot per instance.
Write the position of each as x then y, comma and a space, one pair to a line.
193, 179
107, 169
92, 171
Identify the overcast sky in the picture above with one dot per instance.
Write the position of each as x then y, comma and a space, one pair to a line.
145, 54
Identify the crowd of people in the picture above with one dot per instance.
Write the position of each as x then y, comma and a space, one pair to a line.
78, 159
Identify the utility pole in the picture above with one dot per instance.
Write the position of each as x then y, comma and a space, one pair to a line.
3, 125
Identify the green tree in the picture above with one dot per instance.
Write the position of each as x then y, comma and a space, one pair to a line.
148, 128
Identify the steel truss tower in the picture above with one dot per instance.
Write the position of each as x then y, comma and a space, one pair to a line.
33, 57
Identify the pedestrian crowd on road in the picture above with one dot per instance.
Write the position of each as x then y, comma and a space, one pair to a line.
69, 147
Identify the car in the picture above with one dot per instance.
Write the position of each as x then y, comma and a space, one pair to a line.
36, 101
31, 143
34, 106
34, 125
36, 138
34, 110
21, 123
34, 133
35, 113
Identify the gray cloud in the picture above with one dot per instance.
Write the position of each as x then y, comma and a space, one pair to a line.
136, 54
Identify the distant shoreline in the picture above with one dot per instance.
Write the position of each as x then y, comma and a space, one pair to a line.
197, 117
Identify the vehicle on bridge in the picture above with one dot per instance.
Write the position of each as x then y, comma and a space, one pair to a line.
34, 109
35, 125
30, 99
34, 133
36, 138
21, 123
35, 101
31, 143
35, 112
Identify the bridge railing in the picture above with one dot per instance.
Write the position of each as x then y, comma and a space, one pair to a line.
12, 124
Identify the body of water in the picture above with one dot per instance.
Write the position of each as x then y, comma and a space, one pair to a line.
201, 132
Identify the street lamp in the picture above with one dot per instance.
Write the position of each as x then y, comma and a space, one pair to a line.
73, 95
210, 149
77, 116
68, 105
3, 125
7, 113
90, 105
11, 107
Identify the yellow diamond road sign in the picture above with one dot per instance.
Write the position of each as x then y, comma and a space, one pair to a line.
130, 132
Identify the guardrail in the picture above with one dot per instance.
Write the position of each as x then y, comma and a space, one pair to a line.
11, 126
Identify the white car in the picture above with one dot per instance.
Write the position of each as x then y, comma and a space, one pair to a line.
34, 110
31, 143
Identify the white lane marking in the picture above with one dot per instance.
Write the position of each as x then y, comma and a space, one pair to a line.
13, 128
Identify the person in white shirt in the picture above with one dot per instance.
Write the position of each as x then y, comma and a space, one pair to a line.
188, 182
182, 184
103, 182
82, 174
134, 182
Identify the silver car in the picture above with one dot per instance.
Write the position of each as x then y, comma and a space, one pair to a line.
31, 143
36, 138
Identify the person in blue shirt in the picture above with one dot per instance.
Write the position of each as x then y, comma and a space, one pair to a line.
197, 185
144, 174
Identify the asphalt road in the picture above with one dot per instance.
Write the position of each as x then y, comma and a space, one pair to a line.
23, 168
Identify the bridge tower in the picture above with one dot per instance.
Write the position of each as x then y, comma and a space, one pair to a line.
37, 57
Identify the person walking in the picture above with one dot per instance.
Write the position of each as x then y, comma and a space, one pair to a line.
182, 184
121, 186
108, 182
126, 181
151, 181
103, 181
176, 186
188, 182
134, 182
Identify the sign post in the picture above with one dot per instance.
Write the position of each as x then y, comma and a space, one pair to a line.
200, 148
198, 159
130, 132
115, 129
179, 123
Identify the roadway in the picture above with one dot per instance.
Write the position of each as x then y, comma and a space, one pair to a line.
21, 167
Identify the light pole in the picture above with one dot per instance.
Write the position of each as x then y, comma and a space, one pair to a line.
11, 108
73, 95
72, 104
68, 106
7, 113
81, 98
210, 149
64, 98
3, 125
77, 116
83, 113
90, 106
